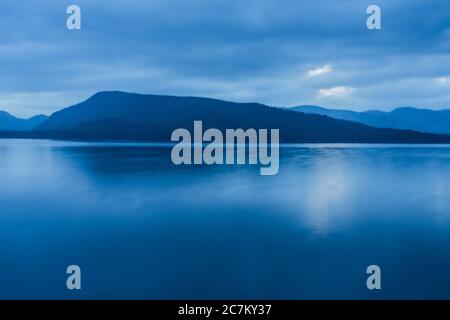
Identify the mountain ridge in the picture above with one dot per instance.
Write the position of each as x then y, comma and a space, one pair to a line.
117, 115
12, 123
124, 116
405, 118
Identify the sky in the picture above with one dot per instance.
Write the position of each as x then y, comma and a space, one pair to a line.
278, 52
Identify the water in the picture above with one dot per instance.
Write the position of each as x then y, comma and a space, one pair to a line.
140, 227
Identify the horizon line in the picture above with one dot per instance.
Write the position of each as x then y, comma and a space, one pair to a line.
349, 108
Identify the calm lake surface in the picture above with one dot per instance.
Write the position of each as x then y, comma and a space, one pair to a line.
141, 227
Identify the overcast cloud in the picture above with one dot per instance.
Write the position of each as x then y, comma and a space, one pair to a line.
278, 52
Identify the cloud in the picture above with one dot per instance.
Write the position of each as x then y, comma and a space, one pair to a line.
442, 80
335, 91
320, 71
275, 52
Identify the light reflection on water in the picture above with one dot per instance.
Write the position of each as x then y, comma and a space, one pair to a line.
140, 227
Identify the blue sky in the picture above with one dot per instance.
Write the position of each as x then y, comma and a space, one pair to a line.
278, 52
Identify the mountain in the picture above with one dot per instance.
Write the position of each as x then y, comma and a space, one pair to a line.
137, 117
11, 123
408, 118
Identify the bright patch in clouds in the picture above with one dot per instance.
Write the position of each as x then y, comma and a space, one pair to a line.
320, 71
442, 80
335, 91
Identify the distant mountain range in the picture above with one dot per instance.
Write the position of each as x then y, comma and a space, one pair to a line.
408, 118
109, 116
11, 123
